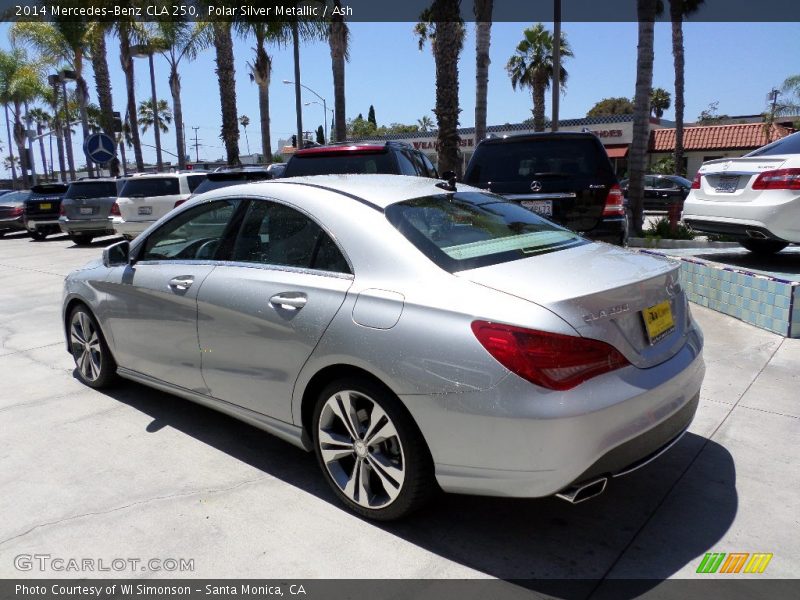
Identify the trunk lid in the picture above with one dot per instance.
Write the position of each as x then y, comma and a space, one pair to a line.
731, 179
602, 291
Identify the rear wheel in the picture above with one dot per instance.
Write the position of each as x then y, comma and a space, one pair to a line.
81, 239
38, 235
371, 452
95, 365
763, 247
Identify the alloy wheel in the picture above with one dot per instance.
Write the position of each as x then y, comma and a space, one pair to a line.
86, 347
361, 449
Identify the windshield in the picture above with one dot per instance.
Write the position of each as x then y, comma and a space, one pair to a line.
340, 164
99, 189
139, 187
471, 229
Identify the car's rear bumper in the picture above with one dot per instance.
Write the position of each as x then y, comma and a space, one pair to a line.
42, 223
129, 228
12, 224
99, 226
613, 230
518, 440
735, 228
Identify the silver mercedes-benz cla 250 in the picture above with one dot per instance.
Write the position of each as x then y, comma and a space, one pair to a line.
415, 335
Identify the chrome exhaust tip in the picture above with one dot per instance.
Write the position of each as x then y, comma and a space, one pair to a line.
585, 491
758, 235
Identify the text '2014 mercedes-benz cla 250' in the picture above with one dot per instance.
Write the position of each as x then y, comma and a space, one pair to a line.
415, 335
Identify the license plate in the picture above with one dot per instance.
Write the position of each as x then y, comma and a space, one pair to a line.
86, 210
145, 210
658, 321
542, 207
45, 206
727, 184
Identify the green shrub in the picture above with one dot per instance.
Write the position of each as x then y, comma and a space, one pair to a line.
660, 230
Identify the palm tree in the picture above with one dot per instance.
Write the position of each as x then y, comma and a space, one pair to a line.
442, 25
483, 34
646, 11
9, 62
244, 121
102, 80
532, 66
51, 96
61, 42
425, 123
678, 10
175, 41
130, 32
339, 41
42, 119
660, 100
226, 76
146, 117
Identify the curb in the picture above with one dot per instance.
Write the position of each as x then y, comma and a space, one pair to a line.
635, 242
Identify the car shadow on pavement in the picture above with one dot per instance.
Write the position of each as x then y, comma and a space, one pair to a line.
100, 242
645, 528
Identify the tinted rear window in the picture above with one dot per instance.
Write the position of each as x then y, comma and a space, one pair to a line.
216, 180
468, 230
155, 186
788, 145
100, 189
525, 160
351, 162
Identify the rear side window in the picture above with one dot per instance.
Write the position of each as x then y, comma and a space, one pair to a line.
340, 164
468, 230
526, 160
787, 145
101, 189
140, 187
194, 181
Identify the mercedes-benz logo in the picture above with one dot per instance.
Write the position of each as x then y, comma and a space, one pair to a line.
536, 186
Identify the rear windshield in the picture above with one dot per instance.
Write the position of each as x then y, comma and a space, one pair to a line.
471, 229
215, 181
788, 145
138, 187
100, 189
338, 164
13, 197
47, 191
525, 160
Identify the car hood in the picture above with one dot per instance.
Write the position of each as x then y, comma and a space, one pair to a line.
601, 290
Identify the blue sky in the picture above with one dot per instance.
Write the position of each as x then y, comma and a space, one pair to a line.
735, 64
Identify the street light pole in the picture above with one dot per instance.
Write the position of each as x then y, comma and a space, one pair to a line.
325, 110
67, 132
324, 104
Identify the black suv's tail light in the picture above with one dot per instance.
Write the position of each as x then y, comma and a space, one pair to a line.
615, 202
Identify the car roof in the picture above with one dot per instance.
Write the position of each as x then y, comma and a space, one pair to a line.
538, 136
377, 190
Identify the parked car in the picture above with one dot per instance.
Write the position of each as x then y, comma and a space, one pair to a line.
233, 176
86, 208
660, 191
146, 198
12, 209
755, 198
42, 207
367, 157
565, 177
407, 334
4, 192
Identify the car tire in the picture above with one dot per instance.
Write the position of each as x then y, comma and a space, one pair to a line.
38, 235
93, 360
81, 239
377, 464
763, 247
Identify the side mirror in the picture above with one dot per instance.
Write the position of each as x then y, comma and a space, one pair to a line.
117, 254
449, 182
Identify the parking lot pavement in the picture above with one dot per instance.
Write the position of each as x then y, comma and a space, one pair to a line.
137, 473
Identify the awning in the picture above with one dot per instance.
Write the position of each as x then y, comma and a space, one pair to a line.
617, 150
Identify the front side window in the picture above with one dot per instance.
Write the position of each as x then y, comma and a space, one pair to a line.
468, 230
274, 234
195, 234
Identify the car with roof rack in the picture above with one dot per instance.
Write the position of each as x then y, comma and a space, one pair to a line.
389, 158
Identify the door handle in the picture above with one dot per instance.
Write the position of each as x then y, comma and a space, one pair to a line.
182, 282
289, 300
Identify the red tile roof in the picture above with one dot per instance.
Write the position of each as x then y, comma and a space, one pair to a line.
717, 137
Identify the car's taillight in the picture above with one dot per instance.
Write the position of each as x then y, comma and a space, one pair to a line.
61, 210
551, 360
115, 210
615, 202
17, 211
696, 181
781, 179
178, 203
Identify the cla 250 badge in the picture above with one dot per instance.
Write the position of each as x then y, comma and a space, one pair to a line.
605, 313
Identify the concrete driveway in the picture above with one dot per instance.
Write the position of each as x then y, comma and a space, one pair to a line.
138, 473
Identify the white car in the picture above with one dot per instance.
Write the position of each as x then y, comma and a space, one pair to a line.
755, 198
146, 198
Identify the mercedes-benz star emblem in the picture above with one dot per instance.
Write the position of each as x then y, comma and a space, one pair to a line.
536, 186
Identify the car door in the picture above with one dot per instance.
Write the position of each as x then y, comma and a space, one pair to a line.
152, 303
261, 315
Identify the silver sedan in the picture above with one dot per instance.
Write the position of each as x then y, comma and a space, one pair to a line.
415, 335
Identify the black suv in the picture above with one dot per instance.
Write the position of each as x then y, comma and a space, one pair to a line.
565, 177
232, 176
393, 158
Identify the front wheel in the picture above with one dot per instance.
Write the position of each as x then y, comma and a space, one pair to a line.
370, 450
763, 247
95, 365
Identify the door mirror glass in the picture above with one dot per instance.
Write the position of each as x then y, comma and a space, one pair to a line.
116, 255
